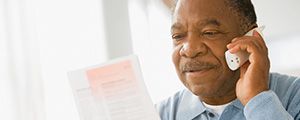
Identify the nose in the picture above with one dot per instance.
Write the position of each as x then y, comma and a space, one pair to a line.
193, 47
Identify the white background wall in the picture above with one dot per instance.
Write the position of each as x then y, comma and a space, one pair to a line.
282, 33
73, 34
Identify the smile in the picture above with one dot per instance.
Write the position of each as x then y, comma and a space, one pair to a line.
197, 71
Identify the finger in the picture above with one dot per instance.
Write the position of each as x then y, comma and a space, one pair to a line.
233, 47
260, 40
247, 39
256, 55
256, 34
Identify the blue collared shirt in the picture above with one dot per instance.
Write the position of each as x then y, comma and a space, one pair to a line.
281, 102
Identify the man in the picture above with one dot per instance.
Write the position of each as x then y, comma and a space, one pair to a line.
202, 30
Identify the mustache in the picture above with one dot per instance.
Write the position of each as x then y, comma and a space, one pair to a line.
196, 65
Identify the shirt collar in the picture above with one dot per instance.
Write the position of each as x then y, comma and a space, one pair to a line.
191, 106
237, 103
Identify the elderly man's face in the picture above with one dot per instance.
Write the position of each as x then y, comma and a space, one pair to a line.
201, 30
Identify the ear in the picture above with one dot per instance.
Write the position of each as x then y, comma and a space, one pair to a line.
252, 26
255, 32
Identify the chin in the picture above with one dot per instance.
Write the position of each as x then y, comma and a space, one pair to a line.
201, 90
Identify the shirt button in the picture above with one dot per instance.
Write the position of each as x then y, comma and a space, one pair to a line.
211, 115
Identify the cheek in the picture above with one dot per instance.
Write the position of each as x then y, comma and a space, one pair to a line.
218, 50
221, 56
176, 57
219, 53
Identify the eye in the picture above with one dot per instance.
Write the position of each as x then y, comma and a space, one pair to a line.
177, 37
211, 34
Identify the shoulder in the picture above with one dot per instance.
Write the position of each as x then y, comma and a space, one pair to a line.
168, 107
287, 88
280, 83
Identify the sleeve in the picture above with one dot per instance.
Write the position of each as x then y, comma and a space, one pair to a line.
266, 106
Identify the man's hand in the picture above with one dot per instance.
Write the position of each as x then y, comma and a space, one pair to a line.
254, 74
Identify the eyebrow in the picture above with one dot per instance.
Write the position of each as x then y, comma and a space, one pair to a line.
204, 22
176, 26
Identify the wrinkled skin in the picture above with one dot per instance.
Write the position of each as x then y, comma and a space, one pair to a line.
202, 30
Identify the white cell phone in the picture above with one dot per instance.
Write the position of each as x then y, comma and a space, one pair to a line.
234, 61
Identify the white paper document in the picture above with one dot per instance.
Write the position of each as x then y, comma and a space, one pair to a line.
112, 91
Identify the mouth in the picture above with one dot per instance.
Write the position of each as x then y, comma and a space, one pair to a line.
197, 68
197, 72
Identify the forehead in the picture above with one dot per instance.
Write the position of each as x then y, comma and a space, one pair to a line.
197, 10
